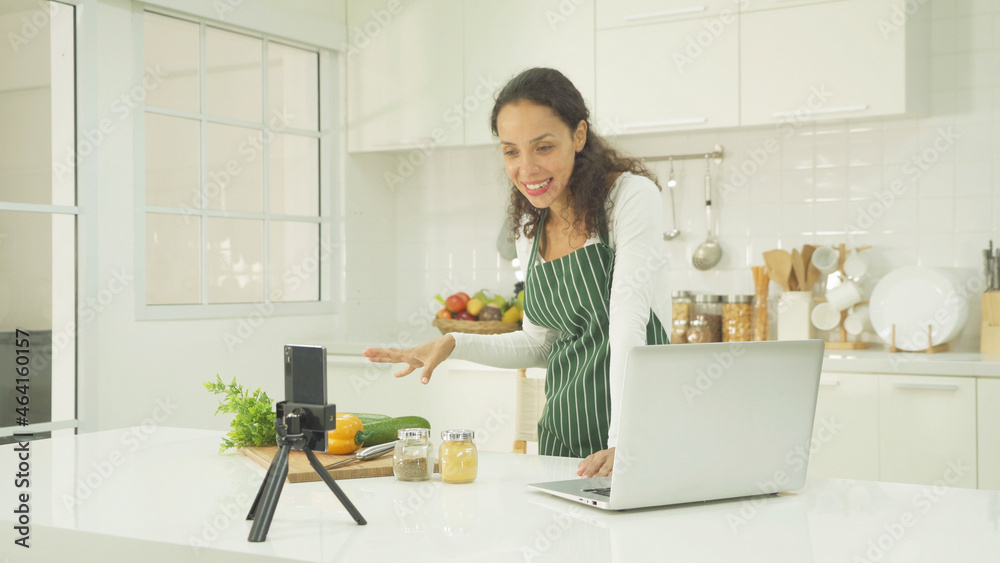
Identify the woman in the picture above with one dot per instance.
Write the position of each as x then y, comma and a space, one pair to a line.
589, 238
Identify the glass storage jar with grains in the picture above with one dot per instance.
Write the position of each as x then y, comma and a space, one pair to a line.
682, 310
458, 457
737, 311
708, 309
413, 456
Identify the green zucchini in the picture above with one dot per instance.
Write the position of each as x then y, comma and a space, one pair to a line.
388, 430
367, 418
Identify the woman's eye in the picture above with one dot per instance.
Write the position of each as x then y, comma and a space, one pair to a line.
545, 147
509, 153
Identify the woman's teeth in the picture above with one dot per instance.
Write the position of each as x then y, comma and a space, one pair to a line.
538, 186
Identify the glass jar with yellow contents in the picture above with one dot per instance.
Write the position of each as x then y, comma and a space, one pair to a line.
458, 457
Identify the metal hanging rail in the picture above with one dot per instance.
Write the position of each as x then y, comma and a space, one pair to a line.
716, 155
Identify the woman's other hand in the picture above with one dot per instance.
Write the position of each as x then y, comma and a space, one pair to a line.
428, 355
597, 464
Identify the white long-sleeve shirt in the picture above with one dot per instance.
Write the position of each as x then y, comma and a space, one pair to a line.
640, 283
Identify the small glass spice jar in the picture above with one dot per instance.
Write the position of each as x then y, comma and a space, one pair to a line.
698, 332
413, 456
682, 307
737, 311
708, 308
458, 457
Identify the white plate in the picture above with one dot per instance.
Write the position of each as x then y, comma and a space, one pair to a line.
912, 298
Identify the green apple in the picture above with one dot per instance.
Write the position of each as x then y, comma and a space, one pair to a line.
500, 302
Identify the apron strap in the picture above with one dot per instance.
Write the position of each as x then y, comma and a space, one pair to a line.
538, 235
602, 232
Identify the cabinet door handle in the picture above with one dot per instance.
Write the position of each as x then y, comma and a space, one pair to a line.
405, 142
667, 123
927, 386
821, 111
665, 13
829, 382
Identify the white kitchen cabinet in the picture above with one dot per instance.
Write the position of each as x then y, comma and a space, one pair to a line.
845, 433
851, 58
927, 430
504, 38
988, 411
404, 74
622, 13
668, 76
757, 5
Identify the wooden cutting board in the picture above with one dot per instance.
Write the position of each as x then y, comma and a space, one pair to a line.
299, 470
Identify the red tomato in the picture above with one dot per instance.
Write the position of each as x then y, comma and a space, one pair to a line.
444, 314
455, 304
465, 296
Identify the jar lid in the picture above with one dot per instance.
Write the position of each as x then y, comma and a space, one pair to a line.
461, 434
680, 294
405, 433
738, 299
706, 298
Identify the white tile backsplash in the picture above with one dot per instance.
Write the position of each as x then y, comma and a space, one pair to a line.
830, 182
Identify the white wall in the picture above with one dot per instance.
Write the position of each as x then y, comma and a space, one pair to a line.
826, 178
128, 368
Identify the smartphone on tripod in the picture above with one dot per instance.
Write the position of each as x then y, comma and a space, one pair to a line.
305, 384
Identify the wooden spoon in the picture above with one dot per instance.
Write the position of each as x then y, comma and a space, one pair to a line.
807, 254
780, 264
799, 270
812, 276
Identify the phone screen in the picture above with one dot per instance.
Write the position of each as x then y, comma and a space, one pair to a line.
305, 374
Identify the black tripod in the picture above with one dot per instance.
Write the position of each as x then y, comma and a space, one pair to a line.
290, 437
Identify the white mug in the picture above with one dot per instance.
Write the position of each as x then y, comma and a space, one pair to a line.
843, 296
825, 259
855, 266
825, 317
854, 323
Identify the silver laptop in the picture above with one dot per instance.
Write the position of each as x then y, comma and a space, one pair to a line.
703, 422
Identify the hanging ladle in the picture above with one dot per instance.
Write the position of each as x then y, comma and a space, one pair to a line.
709, 253
671, 182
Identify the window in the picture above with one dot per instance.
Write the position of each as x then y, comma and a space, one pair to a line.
38, 310
229, 162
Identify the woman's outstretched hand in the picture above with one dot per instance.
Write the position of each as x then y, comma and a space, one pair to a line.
427, 355
598, 464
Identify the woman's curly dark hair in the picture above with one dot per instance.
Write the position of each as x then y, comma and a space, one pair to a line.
595, 167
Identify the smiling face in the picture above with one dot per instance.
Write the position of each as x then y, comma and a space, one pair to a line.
539, 151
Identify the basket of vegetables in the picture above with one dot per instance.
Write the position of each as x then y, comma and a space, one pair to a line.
482, 313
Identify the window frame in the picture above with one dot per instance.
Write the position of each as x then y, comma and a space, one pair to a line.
330, 158
68, 384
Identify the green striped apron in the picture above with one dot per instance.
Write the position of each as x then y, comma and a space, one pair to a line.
571, 294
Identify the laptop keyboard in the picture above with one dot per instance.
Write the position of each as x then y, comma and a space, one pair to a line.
603, 491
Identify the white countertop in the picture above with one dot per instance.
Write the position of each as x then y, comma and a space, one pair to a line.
873, 360
917, 363
165, 494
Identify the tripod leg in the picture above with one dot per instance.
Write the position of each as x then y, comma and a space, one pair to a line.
269, 493
260, 492
334, 487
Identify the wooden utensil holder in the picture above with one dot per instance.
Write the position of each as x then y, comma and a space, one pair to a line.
989, 340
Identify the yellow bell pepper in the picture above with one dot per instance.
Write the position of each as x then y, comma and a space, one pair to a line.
341, 439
